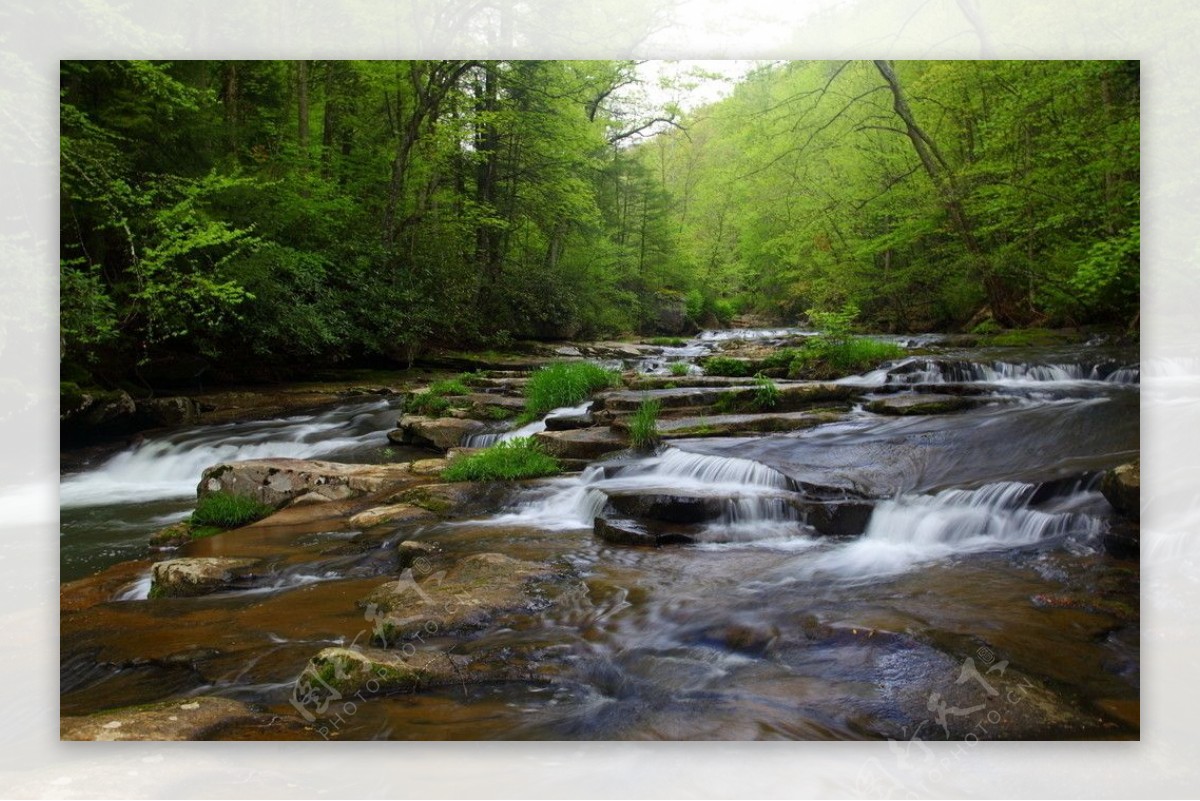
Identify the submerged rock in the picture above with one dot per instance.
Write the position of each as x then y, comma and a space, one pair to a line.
1122, 487
681, 507
469, 595
632, 532
905, 405
182, 578
199, 718
377, 671
391, 513
277, 482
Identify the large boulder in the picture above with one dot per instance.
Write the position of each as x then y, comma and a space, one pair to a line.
277, 482
1122, 487
94, 414
184, 578
670, 313
468, 595
438, 433
197, 718
168, 412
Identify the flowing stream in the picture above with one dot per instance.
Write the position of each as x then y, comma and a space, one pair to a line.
981, 540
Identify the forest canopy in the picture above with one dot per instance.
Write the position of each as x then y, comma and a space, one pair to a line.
245, 217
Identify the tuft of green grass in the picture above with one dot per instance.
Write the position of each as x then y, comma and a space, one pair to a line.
565, 384
450, 386
667, 342
725, 366
643, 425
427, 404
823, 358
505, 461
679, 368
223, 510
766, 394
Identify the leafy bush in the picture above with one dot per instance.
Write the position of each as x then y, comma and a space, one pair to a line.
780, 358
565, 384
512, 459
834, 325
766, 394
228, 511
988, 326
679, 368
725, 366
643, 426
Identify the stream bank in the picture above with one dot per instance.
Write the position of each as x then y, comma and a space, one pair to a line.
843, 568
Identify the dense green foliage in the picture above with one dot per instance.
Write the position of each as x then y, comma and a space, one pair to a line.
1010, 191
228, 511
505, 461
565, 384
226, 219
643, 424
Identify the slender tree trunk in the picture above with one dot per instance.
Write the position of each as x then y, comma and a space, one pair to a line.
230, 93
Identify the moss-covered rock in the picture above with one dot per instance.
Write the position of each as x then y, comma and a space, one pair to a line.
1122, 487
182, 578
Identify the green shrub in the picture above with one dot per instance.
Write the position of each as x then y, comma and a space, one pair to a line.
565, 384
987, 327
667, 342
505, 461
643, 425
679, 368
228, 511
780, 358
766, 394
725, 366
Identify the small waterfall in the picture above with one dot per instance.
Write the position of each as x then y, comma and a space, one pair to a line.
488, 439
934, 371
169, 466
912, 529
575, 502
137, 591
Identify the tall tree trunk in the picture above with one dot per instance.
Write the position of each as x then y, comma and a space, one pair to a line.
302, 107
329, 124
230, 99
1004, 302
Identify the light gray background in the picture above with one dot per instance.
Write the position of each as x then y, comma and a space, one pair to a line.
35, 35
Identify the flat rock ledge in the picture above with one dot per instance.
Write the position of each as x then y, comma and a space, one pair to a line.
197, 718
469, 595
278, 482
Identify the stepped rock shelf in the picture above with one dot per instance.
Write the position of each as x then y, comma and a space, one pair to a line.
810, 558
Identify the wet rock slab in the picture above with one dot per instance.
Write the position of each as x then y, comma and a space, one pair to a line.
587, 443
277, 482
732, 425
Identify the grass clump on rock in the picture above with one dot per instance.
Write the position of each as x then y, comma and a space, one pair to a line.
667, 342
512, 459
643, 425
565, 384
224, 510
679, 368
